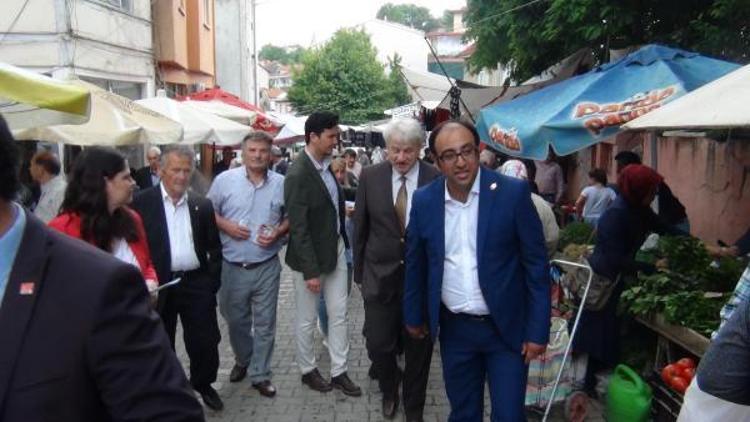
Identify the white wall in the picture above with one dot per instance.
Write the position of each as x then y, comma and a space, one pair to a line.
389, 38
234, 73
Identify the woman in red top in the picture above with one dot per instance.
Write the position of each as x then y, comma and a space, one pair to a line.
95, 209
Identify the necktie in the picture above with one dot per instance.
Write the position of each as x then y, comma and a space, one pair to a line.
401, 199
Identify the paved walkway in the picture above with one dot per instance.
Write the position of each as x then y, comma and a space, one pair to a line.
294, 401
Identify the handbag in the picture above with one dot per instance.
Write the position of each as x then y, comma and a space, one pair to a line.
601, 287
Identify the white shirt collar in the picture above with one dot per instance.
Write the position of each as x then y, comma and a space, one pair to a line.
319, 165
410, 175
168, 198
473, 192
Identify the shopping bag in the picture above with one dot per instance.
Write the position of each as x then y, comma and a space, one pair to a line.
543, 370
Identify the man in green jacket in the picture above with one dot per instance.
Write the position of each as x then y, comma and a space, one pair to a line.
315, 205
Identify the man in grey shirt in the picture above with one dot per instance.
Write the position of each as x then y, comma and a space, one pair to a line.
721, 388
45, 170
249, 204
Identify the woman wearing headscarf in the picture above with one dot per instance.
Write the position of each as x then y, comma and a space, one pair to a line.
517, 169
95, 209
621, 231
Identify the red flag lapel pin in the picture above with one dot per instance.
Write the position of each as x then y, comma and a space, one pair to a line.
26, 289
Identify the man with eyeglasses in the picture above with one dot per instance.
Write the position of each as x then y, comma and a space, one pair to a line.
476, 260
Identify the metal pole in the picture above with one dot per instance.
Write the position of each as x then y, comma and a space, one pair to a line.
255, 54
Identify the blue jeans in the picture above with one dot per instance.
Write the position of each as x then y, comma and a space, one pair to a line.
247, 301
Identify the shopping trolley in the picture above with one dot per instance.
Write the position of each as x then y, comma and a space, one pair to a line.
572, 297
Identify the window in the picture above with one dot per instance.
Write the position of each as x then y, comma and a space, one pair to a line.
125, 5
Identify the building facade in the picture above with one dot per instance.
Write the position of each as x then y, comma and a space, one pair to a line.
106, 42
234, 60
184, 45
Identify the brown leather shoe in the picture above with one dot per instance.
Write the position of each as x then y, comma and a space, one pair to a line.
343, 383
265, 388
238, 373
315, 381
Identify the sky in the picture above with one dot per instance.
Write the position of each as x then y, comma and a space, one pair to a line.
304, 22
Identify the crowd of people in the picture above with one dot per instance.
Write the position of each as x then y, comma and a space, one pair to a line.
451, 247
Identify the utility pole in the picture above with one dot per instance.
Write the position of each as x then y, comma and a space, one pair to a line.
255, 53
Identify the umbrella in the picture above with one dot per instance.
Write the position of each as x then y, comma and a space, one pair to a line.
261, 122
720, 104
583, 110
198, 126
29, 99
115, 120
293, 131
223, 110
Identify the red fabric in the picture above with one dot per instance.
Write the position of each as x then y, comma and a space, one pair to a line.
262, 122
70, 224
637, 182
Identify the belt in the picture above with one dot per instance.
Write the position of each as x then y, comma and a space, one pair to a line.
250, 265
462, 315
184, 274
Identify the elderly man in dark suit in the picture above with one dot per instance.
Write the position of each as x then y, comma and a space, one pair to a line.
380, 218
184, 243
79, 340
315, 205
148, 176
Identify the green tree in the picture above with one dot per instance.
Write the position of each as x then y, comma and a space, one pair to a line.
399, 94
408, 14
343, 76
446, 21
531, 37
284, 55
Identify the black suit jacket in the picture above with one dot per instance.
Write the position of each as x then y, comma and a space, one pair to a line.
313, 223
150, 205
84, 345
379, 246
143, 177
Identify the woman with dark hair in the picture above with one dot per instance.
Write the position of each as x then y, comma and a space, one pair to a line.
595, 198
95, 209
621, 231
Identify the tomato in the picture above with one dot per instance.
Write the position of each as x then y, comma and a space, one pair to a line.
687, 373
668, 372
685, 363
679, 384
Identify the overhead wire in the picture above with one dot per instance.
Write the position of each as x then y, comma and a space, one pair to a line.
15, 20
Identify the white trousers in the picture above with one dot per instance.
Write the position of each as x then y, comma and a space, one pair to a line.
334, 286
699, 406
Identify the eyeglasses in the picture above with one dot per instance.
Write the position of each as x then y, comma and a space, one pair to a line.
468, 153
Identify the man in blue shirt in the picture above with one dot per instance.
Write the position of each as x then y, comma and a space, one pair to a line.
249, 205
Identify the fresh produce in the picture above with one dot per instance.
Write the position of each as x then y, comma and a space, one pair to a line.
678, 375
577, 233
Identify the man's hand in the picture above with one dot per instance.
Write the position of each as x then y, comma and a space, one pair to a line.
313, 285
418, 332
267, 241
236, 231
531, 351
151, 286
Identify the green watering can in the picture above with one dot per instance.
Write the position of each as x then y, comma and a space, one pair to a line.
628, 397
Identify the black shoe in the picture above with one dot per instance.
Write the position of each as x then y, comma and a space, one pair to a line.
265, 388
390, 405
315, 381
343, 383
238, 373
372, 372
210, 398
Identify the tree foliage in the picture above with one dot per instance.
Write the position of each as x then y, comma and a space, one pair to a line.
343, 76
284, 55
531, 37
399, 94
410, 15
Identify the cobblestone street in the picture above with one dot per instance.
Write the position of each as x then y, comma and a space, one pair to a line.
295, 401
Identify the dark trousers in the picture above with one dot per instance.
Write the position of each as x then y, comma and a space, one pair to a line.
384, 325
194, 301
472, 352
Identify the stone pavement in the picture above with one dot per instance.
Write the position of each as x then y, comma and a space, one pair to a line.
294, 401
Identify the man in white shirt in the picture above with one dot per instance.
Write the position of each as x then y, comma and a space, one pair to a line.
476, 261
45, 170
183, 240
380, 218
